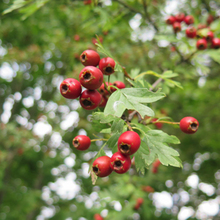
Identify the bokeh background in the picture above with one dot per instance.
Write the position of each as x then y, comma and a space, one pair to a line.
41, 176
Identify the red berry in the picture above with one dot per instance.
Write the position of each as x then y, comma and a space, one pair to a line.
201, 44
170, 20
210, 36
189, 125
129, 142
118, 84
101, 166
89, 58
76, 37
210, 19
91, 77
94, 40
191, 32
90, 99
70, 88
107, 65
120, 163
147, 189
103, 90
81, 142
176, 27
180, 17
103, 101
189, 19
201, 26
156, 163
98, 217
158, 124
216, 43
139, 201
87, 2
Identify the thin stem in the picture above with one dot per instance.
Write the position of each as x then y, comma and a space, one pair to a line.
166, 122
126, 73
101, 139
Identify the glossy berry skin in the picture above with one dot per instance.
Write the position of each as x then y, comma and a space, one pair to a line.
216, 43
189, 125
180, 17
201, 44
210, 36
118, 84
90, 99
129, 142
120, 163
191, 32
81, 142
189, 19
176, 27
91, 77
103, 90
103, 102
98, 217
101, 166
170, 20
70, 88
107, 65
89, 58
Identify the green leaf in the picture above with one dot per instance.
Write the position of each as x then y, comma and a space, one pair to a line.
112, 141
157, 142
169, 74
16, 5
131, 98
117, 126
215, 55
100, 117
106, 131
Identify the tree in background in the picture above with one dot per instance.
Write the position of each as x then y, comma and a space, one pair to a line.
43, 176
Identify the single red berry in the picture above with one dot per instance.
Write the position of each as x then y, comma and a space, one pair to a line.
101, 166
98, 217
87, 2
107, 65
76, 37
118, 84
103, 101
176, 27
158, 124
189, 19
94, 40
103, 90
154, 169
170, 20
70, 88
180, 17
120, 163
140, 201
191, 32
210, 36
91, 77
201, 44
210, 19
90, 99
189, 125
129, 142
90, 58
156, 163
81, 142
216, 43
148, 189
201, 26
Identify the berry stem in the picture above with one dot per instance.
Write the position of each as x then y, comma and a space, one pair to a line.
126, 73
165, 122
101, 139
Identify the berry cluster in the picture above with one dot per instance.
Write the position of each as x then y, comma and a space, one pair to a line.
91, 78
120, 162
204, 39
